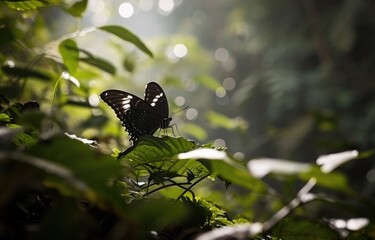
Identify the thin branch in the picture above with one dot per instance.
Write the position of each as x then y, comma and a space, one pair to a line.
248, 230
192, 185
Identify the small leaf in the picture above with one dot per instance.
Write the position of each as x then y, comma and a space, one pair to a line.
100, 63
77, 9
4, 117
23, 140
129, 64
128, 36
26, 5
70, 54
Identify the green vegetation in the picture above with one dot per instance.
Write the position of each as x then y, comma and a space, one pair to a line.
68, 171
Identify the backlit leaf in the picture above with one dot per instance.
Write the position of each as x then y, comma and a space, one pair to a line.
128, 36
78, 8
70, 54
26, 5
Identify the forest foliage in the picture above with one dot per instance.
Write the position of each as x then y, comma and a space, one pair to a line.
68, 171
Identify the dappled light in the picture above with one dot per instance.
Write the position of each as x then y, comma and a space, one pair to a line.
173, 119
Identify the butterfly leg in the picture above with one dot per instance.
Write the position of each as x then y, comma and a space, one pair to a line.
173, 126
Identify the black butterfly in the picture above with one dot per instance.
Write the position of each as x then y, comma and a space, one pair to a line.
138, 116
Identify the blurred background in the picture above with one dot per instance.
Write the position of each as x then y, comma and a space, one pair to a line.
283, 79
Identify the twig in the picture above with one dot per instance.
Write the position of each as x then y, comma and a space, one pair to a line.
248, 230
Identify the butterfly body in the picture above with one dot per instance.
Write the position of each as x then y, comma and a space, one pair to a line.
140, 116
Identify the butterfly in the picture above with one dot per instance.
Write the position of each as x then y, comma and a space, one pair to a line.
140, 116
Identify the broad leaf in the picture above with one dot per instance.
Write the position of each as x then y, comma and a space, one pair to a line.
158, 155
70, 54
225, 167
89, 168
128, 36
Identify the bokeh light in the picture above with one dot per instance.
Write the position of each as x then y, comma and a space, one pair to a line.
229, 83
220, 92
146, 5
221, 54
126, 10
179, 101
166, 6
219, 143
180, 50
94, 100
191, 114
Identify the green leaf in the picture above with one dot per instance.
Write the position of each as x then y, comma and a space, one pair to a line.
26, 5
100, 63
334, 180
97, 62
88, 168
21, 72
225, 167
219, 120
77, 9
23, 139
159, 154
209, 82
70, 54
4, 117
128, 36
129, 64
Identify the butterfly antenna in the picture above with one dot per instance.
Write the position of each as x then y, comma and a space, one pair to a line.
180, 110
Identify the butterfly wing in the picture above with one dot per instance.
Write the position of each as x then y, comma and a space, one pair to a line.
135, 114
155, 96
